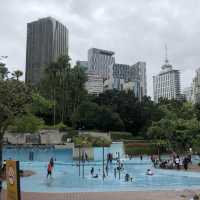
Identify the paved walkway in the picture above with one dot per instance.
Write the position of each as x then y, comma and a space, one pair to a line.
154, 195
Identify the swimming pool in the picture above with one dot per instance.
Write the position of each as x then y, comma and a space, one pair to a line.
66, 177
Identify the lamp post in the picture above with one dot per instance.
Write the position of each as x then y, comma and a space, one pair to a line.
103, 163
119, 165
79, 160
83, 159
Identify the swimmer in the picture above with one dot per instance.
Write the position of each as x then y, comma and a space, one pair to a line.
96, 176
149, 172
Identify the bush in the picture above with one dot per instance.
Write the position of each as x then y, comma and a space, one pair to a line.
116, 136
88, 141
26, 124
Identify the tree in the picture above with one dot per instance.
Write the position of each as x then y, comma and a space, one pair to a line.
17, 74
14, 97
65, 87
41, 107
27, 123
3, 71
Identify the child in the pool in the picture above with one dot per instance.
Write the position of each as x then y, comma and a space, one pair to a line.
149, 172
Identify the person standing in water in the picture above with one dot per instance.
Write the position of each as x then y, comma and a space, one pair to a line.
92, 171
49, 170
52, 162
115, 173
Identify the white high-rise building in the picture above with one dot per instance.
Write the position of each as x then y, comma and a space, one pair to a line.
99, 60
167, 83
94, 83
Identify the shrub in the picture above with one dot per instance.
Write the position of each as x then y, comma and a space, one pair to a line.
26, 124
116, 136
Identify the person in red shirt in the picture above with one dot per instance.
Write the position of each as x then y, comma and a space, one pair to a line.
49, 170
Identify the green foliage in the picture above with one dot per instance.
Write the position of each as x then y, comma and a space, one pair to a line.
3, 71
135, 115
17, 74
14, 97
26, 124
116, 136
64, 86
89, 141
91, 116
179, 126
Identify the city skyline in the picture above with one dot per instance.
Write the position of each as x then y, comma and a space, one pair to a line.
131, 36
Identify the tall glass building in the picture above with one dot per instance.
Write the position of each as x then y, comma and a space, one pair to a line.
99, 60
47, 39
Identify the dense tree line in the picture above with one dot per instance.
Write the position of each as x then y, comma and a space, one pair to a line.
61, 98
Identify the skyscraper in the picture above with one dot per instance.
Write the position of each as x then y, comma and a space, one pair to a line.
126, 77
167, 83
196, 87
140, 70
47, 39
99, 60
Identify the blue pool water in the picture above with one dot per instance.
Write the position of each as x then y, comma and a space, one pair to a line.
66, 177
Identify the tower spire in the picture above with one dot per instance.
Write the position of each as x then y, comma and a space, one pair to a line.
166, 58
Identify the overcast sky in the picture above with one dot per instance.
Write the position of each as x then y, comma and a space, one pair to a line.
136, 30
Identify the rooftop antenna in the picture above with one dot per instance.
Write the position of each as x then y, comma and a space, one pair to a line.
166, 59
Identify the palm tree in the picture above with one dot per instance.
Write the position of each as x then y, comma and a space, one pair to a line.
16, 74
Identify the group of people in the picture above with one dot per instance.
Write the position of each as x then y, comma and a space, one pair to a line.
175, 162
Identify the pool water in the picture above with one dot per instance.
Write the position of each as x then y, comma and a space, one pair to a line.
65, 177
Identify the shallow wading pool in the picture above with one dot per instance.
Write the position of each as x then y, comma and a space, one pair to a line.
65, 177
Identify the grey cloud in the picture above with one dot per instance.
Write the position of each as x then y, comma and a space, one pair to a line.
134, 29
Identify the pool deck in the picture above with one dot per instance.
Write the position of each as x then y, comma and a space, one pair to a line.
150, 195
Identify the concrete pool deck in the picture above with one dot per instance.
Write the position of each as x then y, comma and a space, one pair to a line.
140, 195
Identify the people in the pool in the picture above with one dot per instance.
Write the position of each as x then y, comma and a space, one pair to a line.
92, 171
49, 170
52, 162
95, 176
149, 172
115, 173
128, 178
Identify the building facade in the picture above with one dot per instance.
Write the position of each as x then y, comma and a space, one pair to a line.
94, 83
167, 83
188, 94
126, 77
47, 39
196, 87
83, 65
99, 60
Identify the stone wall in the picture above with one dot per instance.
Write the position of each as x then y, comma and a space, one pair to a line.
50, 136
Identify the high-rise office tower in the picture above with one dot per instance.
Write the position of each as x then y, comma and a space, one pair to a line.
140, 71
126, 77
47, 39
99, 60
196, 87
167, 83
